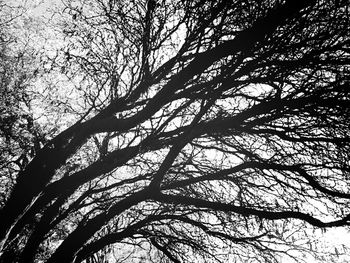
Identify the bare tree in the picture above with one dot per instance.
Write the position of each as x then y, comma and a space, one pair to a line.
204, 130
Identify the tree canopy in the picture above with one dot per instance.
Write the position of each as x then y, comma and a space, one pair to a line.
177, 131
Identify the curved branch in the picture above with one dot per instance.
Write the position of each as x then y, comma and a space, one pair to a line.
245, 211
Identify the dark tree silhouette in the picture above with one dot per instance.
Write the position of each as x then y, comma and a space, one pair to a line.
204, 131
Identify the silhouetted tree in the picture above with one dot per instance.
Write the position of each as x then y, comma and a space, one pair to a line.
213, 131
19, 137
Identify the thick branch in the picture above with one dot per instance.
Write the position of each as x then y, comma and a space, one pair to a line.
245, 211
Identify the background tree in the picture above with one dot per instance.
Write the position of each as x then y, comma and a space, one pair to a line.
202, 131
